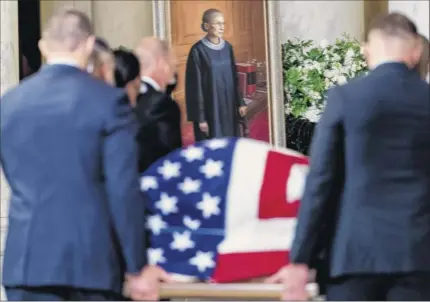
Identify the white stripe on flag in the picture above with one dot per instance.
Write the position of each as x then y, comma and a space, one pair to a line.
245, 232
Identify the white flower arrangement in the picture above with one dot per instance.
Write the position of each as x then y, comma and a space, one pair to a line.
309, 71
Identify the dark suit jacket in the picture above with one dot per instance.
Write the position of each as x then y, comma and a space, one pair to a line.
372, 146
68, 151
160, 126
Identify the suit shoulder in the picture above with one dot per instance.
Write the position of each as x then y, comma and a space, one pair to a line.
357, 80
9, 98
8, 95
351, 85
23, 85
108, 93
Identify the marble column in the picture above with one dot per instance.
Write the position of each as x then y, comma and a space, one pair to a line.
321, 20
122, 22
418, 11
9, 71
9, 44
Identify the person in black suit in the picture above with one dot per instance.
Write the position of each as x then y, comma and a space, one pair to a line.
368, 189
158, 114
68, 151
171, 86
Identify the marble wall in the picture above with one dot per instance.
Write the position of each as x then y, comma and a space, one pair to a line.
48, 7
9, 45
9, 71
321, 20
119, 22
122, 22
418, 11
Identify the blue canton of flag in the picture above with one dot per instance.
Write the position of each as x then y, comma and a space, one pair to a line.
187, 218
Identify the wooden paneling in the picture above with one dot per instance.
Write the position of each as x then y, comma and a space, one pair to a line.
185, 31
244, 29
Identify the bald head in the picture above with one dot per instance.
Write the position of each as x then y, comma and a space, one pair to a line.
156, 59
67, 29
150, 50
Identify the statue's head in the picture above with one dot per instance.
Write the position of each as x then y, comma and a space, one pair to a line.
213, 23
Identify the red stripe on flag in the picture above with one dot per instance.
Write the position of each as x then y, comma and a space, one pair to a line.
273, 195
242, 266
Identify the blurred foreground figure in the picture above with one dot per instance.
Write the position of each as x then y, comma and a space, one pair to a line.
76, 221
158, 115
423, 66
102, 62
367, 195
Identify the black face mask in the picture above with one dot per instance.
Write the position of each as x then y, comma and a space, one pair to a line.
171, 87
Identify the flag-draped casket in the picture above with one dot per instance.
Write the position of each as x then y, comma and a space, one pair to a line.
223, 210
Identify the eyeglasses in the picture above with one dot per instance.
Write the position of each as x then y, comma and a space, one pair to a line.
218, 24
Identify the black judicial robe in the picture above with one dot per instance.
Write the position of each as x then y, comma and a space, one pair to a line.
212, 89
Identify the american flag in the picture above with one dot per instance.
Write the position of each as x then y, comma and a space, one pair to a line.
224, 210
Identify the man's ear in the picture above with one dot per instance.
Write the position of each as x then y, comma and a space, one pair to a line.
416, 53
89, 44
42, 47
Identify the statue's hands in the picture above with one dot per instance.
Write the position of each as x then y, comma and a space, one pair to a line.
146, 285
294, 278
242, 111
204, 128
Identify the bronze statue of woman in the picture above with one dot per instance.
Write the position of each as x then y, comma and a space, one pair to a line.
213, 100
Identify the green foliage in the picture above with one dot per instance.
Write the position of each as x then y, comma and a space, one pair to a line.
310, 70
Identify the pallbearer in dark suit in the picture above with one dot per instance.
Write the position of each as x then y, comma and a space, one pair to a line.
158, 114
214, 103
76, 221
369, 180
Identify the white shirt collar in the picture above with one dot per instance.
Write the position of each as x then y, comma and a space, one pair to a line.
149, 81
63, 61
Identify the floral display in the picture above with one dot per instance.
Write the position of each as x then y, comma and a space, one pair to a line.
310, 70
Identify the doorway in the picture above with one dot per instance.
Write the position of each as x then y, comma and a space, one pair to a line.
29, 35
245, 30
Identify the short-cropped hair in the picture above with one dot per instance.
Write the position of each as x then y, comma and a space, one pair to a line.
394, 25
68, 27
